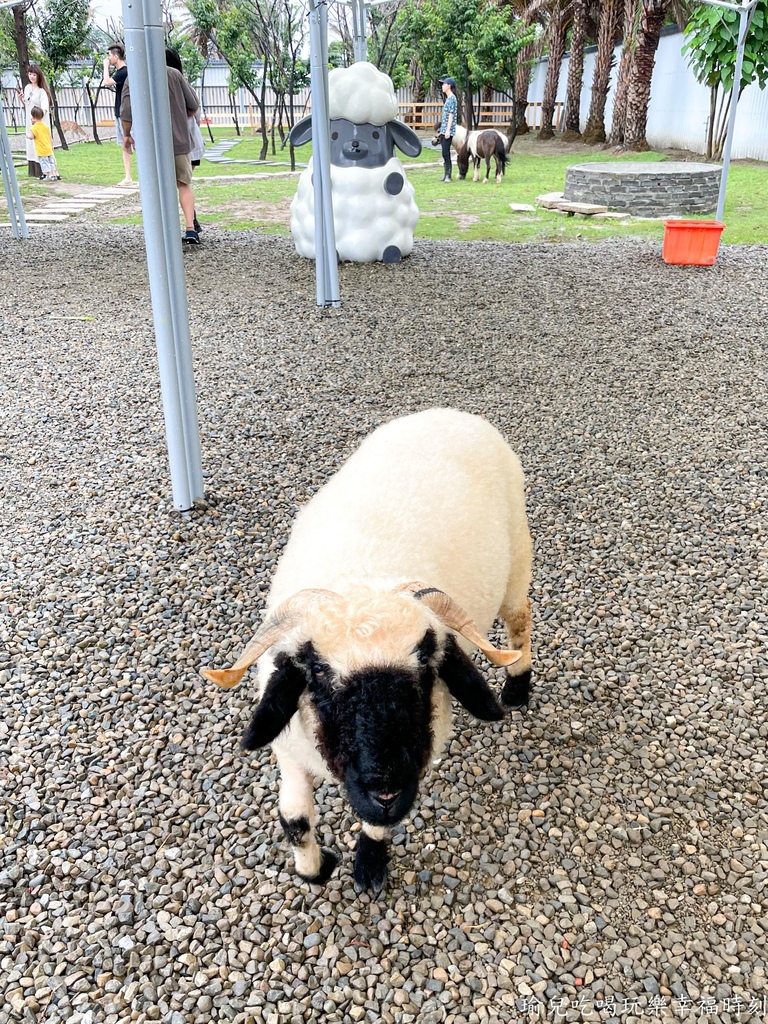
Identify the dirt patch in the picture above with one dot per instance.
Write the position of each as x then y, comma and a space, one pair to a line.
529, 143
278, 212
464, 220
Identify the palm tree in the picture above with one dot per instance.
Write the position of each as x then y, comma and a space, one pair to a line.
629, 24
608, 28
653, 14
556, 34
533, 13
575, 71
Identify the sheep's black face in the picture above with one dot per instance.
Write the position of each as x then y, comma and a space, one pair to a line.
374, 731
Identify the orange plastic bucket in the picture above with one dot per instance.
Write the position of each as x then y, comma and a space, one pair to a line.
693, 243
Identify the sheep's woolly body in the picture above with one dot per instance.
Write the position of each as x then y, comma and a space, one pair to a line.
437, 497
366, 218
361, 93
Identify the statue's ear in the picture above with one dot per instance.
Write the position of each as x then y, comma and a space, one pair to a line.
405, 138
301, 133
467, 684
278, 705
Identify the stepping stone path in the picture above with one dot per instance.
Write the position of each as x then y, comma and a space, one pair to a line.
63, 207
217, 155
216, 152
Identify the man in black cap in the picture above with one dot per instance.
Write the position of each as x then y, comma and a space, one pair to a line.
448, 123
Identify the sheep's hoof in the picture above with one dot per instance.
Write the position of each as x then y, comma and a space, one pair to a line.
328, 862
371, 859
517, 690
392, 254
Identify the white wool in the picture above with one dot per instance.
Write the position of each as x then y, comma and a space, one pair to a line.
366, 217
361, 93
437, 496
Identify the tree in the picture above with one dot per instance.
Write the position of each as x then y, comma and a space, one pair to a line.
712, 37
653, 14
556, 38
628, 34
607, 30
474, 41
63, 28
575, 71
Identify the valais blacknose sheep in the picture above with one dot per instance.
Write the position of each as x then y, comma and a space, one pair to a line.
374, 211
393, 572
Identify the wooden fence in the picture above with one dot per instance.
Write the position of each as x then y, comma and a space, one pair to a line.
225, 110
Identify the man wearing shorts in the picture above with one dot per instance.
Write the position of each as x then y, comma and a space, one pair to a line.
115, 75
184, 103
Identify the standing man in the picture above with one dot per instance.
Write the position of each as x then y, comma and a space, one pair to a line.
183, 104
115, 75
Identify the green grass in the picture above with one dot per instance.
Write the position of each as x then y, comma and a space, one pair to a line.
461, 210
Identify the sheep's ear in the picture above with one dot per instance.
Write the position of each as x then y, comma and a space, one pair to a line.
467, 684
405, 138
301, 133
278, 704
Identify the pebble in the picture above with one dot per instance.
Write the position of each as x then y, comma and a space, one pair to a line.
612, 841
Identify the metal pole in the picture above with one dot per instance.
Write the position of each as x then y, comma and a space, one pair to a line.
10, 182
359, 42
154, 154
745, 17
326, 265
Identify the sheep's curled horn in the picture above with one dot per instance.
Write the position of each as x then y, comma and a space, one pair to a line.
289, 614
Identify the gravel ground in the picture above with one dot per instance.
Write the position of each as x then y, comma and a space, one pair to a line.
603, 857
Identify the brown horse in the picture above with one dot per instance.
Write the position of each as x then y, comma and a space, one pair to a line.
482, 146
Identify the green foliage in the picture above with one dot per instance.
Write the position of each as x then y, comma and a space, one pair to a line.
64, 29
711, 42
388, 49
191, 59
475, 41
7, 44
205, 15
339, 54
238, 39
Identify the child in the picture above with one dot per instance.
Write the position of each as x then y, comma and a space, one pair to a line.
41, 134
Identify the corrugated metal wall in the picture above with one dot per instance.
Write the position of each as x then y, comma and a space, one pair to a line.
679, 107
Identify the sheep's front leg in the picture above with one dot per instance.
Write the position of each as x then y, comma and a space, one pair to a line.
297, 816
371, 857
518, 684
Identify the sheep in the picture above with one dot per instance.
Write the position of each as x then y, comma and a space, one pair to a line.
393, 571
374, 211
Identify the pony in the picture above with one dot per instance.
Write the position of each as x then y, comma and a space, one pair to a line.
482, 146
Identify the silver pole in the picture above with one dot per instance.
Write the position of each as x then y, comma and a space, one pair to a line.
326, 264
359, 42
154, 154
745, 17
10, 182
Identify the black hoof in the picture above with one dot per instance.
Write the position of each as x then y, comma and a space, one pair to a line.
327, 866
371, 859
392, 254
517, 690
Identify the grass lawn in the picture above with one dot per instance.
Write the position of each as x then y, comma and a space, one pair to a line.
460, 210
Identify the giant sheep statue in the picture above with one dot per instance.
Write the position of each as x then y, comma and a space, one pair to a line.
393, 572
374, 211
